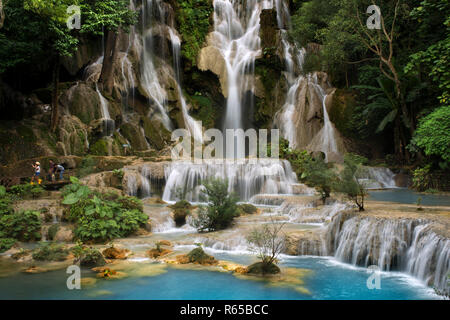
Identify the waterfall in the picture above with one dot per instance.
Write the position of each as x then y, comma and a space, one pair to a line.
377, 178
149, 76
108, 123
236, 36
246, 179
193, 126
408, 245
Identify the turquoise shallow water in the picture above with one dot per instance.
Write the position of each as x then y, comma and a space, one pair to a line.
407, 196
329, 280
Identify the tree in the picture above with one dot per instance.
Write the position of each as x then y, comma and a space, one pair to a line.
107, 17
319, 175
433, 134
267, 241
63, 43
349, 184
221, 209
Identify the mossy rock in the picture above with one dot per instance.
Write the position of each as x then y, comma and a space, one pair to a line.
51, 232
132, 133
247, 208
93, 258
261, 268
181, 210
99, 148
198, 256
342, 110
156, 133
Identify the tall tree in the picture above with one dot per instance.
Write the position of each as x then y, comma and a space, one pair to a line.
63, 42
107, 18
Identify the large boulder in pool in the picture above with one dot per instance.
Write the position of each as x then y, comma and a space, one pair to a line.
261, 268
197, 256
116, 253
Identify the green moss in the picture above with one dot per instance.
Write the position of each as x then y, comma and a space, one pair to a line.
263, 268
199, 256
100, 148
156, 133
132, 134
342, 110
247, 208
51, 252
51, 233
204, 111
194, 22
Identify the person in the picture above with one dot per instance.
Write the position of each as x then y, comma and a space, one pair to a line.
60, 169
37, 173
51, 171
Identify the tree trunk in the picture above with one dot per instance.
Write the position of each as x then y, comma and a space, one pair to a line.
109, 56
55, 95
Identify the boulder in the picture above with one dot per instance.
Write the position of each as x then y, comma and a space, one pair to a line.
116, 253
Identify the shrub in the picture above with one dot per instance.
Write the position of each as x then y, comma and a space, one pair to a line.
349, 184
23, 191
221, 209
51, 232
87, 256
199, 256
6, 244
51, 252
320, 176
247, 208
100, 220
267, 241
23, 225
181, 210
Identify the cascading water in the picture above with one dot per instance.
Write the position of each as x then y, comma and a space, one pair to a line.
108, 123
265, 176
236, 36
149, 76
193, 126
325, 140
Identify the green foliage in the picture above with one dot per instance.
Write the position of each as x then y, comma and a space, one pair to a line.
433, 133
22, 225
181, 209
247, 208
193, 24
88, 256
23, 191
348, 183
118, 173
49, 251
99, 15
52, 230
199, 256
99, 219
421, 178
297, 158
319, 175
6, 244
221, 209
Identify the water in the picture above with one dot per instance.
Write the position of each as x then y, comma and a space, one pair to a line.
407, 196
328, 280
149, 76
247, 179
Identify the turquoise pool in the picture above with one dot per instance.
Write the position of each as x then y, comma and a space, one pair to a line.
328, 280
